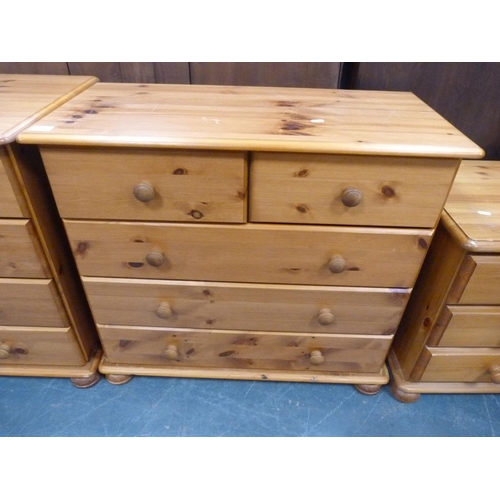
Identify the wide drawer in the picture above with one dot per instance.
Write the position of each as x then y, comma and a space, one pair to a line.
477, 281
144, 184
349, 190
29, 302
39, 346
229, 306
9, 206
461, 365
243, 349
250, 253
471, 326
21, 255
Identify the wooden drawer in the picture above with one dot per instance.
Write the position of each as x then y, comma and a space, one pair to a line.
249, 253
243, 349
21, 255
321, 189
199, 186
460, 365
470, 326
39, 346
9, 206
29, 302
230, 306
477, 281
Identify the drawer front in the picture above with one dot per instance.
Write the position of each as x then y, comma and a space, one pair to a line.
28, 302
348, 190
249, 253
141, 184
461, 365
478, 281
9, 206
471, 326
39, 346
229, 306
242, 349
21, 255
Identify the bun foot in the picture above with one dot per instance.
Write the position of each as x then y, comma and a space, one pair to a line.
368, 389
118, 379
402, 396
86, 382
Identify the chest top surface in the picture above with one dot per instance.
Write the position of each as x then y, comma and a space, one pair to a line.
472, 211
252, 118
26, 98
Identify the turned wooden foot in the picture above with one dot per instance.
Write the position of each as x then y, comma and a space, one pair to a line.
368, 389
118, 379
86, 382
400, 395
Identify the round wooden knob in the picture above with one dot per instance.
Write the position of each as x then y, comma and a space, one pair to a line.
351, 197
155, 258
4, 350
337, 264
316, 358
495, 373
326, 317
171, 352
144, 192
164, 310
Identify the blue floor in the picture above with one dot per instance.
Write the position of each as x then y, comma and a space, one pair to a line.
149, 406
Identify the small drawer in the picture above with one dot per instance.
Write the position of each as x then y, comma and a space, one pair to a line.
470, 326
243, 349
462, 365
348, 190
9, 207
21, 255
39, 346
229, 306
29, 302
250, 253
477, 281
148, 184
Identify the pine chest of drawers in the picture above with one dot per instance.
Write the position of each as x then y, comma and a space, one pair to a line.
449, 339
258, 233
45, 327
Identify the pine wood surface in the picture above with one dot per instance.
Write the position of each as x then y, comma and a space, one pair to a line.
472, 326
24, 99
21, 255
243, 349
194, 186
252, 118
30, 302
228, 306
473, 206
250, 253
12, 201
302, 188
41, 346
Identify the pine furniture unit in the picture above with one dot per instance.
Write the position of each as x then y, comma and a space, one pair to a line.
46, 328
254, 233
449, 339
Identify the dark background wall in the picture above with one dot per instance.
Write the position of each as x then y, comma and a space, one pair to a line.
466, 94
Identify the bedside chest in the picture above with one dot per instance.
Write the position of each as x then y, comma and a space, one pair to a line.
253, 233
449, 338
46, 329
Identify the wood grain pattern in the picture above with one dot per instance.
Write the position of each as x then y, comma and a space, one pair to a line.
35, 68
21, 255
196, 186
258, 253
242, 349
21, 106
229, 306
308, 189
12, 203
253, 118
40, 346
